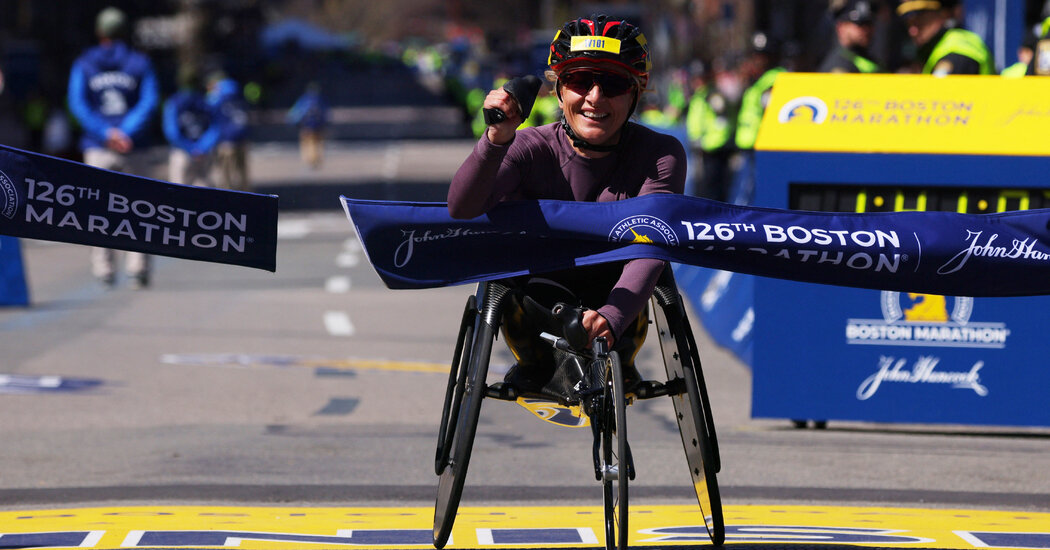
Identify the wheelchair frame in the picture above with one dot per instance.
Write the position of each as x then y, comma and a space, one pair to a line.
685, 384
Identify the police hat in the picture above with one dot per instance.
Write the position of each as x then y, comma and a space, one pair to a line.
911, 6
853, 11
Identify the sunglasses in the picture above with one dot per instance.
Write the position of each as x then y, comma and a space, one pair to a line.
611, 84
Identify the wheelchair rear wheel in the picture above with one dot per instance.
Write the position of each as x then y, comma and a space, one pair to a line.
692, 408
615, 456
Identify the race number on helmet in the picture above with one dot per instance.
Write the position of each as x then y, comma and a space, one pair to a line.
602, 40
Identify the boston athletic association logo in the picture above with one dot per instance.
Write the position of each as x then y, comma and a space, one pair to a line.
643, 230
8, 197
805, 109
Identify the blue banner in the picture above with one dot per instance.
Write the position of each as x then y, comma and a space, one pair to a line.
42, 197
417, 245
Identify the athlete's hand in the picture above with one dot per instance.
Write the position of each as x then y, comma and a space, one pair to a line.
501, 133
596, 326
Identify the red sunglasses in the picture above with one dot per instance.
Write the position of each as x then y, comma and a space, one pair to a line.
611, 84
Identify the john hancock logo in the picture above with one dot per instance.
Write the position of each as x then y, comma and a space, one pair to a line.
805, 109
643, 230
8, 197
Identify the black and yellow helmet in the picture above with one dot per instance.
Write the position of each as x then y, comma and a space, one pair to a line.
599, 39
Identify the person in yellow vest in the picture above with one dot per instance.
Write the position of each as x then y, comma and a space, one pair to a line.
1040, 62
853, 30
1025, 52
709, 121
761, 70
943, 49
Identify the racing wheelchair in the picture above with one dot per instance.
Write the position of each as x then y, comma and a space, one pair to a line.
600, 393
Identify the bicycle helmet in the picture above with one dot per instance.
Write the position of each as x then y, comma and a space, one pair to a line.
600, 39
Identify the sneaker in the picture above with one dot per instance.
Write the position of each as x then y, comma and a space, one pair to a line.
108, 281
527, 379
140, 281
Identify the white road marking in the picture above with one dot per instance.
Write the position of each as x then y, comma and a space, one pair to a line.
339, 284
347, 259
338, 323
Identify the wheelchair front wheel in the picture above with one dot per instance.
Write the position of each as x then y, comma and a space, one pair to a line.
461, 440
615, 455
457, 378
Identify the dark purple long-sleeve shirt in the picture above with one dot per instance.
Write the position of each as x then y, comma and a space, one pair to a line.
540, 163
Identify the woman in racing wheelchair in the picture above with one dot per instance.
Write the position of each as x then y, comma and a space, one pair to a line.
600, 68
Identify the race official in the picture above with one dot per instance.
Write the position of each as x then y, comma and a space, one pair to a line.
310, 114
193, 129
853, 30
113, 94
595, 153
231, 154
943, 49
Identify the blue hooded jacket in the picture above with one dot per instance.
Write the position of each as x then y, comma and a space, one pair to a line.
190, 123
112, 85
233, 110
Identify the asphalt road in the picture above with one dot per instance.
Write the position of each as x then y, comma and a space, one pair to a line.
317, 385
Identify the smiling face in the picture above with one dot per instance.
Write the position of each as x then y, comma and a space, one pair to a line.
596, 102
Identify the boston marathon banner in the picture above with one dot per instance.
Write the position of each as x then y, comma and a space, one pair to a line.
52, 199
417, 245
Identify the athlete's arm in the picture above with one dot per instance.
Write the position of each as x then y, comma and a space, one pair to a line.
632, 291
484, 179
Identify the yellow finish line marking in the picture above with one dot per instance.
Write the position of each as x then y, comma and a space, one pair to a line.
249, 360
513, 527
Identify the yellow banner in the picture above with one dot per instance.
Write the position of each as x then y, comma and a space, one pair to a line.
889, 113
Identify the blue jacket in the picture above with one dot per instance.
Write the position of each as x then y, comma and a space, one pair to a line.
190, 123
226, 97
310, 111
112, 86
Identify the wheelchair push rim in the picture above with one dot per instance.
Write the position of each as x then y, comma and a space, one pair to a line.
615, 455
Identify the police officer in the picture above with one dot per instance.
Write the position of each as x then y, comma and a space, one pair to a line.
1040, 62
853, 28
944, 49
709, 124
762, 70
113, 94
